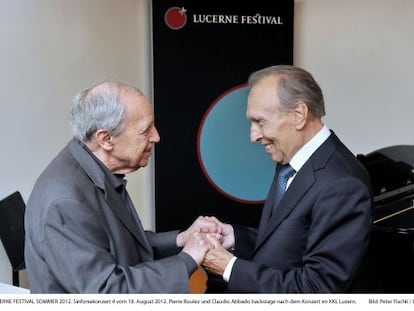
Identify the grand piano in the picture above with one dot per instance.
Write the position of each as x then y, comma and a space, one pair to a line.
391, 248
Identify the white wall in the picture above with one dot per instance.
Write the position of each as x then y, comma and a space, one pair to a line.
360, 51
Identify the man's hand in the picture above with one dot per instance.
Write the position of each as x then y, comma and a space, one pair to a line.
217, 258
201, 224
226, 231
197, 245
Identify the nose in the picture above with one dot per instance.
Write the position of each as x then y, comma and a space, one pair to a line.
155, 136
255, 133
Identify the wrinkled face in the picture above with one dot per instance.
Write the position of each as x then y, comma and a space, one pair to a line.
270, 124
132, 147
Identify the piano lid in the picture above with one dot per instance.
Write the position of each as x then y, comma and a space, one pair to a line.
391, 170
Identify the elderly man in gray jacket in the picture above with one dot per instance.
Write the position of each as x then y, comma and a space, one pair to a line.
83, 234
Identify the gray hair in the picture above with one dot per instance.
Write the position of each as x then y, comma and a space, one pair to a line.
99, 107
295, 85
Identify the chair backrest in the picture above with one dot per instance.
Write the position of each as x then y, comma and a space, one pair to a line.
12, 229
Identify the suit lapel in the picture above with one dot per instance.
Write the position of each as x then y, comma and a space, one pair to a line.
300, 185
267, 207
124, 214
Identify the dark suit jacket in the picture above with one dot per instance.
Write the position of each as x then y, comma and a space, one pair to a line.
318, 236
80, 238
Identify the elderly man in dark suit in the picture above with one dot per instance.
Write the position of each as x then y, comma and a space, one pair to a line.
83, 234
314, 238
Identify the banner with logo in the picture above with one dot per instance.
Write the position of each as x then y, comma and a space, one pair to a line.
203, 53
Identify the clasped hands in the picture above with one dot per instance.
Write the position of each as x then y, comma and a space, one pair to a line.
207, 241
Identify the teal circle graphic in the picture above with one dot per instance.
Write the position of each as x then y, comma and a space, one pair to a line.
236, 167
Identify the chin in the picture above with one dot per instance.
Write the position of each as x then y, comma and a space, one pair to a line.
143, 163
275, 158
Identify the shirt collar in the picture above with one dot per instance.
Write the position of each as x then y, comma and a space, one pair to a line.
309, 148
117, 181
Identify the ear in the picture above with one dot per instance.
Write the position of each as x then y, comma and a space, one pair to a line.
301, 115
104, 140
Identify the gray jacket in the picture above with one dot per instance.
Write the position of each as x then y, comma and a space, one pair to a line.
81, 238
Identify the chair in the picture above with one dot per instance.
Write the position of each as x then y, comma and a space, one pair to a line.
12, 232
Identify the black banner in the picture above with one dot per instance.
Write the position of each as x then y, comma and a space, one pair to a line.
203, 53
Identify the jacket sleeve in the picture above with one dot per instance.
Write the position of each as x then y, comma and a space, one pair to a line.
245, 239
79, 253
